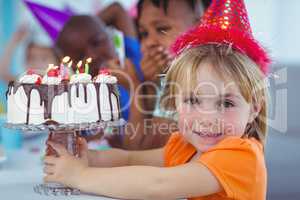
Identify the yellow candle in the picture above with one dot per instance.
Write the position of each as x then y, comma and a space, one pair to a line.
88, 61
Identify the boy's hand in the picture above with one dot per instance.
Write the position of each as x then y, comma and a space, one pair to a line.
115, 15
65, 169
154, 62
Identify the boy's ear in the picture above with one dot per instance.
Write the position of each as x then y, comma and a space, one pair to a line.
255, 110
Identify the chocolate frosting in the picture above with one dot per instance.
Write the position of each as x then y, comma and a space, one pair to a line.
48, 92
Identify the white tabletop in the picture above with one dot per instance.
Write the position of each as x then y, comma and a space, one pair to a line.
23, 170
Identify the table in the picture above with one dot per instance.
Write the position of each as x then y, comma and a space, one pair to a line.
23, 170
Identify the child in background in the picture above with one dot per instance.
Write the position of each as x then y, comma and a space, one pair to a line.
38, 54
159, 23
216, 85
85, 36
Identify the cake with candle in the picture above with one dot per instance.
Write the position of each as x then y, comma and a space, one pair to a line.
64, 98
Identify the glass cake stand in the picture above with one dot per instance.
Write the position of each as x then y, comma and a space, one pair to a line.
67, 135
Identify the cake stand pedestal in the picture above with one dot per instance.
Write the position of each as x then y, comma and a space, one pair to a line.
67, 135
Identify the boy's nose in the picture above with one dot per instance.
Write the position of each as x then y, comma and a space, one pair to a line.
150, 42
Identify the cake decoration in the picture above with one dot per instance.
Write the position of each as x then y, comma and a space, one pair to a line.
104, 76
31, 77
53, 76
64, 71
56, 96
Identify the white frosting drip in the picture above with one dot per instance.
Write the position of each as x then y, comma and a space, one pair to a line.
51, 80
81, 78
102, 78
29, 78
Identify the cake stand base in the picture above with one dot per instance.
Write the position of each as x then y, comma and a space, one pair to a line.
55, 189
67, 135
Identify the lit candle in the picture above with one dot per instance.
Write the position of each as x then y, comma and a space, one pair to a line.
78, 66
87, 67
63, 66
70, 68
66, 59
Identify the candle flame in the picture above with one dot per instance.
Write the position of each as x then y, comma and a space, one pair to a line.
66, 59
89, 60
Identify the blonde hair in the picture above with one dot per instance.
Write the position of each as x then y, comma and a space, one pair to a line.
226, 62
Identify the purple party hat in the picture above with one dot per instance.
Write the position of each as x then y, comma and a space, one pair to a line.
50, 19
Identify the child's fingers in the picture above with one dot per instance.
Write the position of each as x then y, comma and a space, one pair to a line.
60, 149
170, 57
160, 56
50, 160
150, 58
161, 61
50, 178
48, 169
153, 51
83, 148
83, 143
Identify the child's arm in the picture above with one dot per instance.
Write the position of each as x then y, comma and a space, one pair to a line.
118, 17
133, 182
145, 182
118, 157
5, 60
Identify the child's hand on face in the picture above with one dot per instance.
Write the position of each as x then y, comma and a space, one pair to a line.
155, 61
66, 168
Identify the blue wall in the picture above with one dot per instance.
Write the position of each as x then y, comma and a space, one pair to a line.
7, 24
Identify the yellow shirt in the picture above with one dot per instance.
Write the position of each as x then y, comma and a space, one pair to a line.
237, 163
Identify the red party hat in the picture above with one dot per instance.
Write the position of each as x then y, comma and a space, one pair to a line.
225, 22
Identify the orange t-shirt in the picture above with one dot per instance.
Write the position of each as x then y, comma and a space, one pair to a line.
237, 163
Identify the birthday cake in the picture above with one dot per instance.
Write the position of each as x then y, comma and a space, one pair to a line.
60, 97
